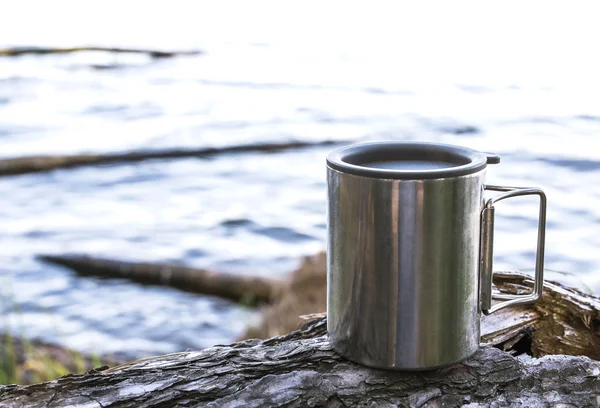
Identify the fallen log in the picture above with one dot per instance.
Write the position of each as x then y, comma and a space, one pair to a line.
300, 369
34, 164
302, 293
18, 51
249, 290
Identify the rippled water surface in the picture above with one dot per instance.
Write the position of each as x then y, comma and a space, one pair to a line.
276, 73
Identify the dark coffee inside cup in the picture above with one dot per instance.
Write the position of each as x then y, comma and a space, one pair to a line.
407, 158
409, 164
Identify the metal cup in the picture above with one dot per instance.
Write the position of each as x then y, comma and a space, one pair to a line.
410, 249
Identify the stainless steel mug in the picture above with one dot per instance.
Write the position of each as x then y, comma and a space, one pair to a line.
410, 249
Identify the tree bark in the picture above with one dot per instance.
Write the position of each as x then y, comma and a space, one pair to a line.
34, 164
300, 369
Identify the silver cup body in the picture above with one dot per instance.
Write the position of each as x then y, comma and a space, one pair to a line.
403, 269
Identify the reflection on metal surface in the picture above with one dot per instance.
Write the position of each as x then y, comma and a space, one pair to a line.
404, 267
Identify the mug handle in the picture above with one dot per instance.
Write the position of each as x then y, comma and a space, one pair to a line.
487, 250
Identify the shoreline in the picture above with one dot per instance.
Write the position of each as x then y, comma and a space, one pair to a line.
29, 361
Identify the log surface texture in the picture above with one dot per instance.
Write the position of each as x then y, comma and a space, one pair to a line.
300, 369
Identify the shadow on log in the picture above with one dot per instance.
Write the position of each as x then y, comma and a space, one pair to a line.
34, 164
300, 369
18, 51
250, 290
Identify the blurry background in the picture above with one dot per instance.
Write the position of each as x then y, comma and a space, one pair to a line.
517, 79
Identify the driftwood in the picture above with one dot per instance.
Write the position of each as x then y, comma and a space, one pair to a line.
302, 293
34, 164
300, 370
245, 289
17, 51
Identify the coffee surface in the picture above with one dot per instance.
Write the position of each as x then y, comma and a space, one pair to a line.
409, 164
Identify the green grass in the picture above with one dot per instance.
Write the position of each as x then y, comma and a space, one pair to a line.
8, 361
25, 362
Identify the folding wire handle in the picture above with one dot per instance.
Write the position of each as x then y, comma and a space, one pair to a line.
487, 250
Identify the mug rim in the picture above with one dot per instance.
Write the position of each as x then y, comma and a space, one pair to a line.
461, 160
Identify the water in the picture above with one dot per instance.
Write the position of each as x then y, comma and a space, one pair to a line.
410, 165
520, 81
